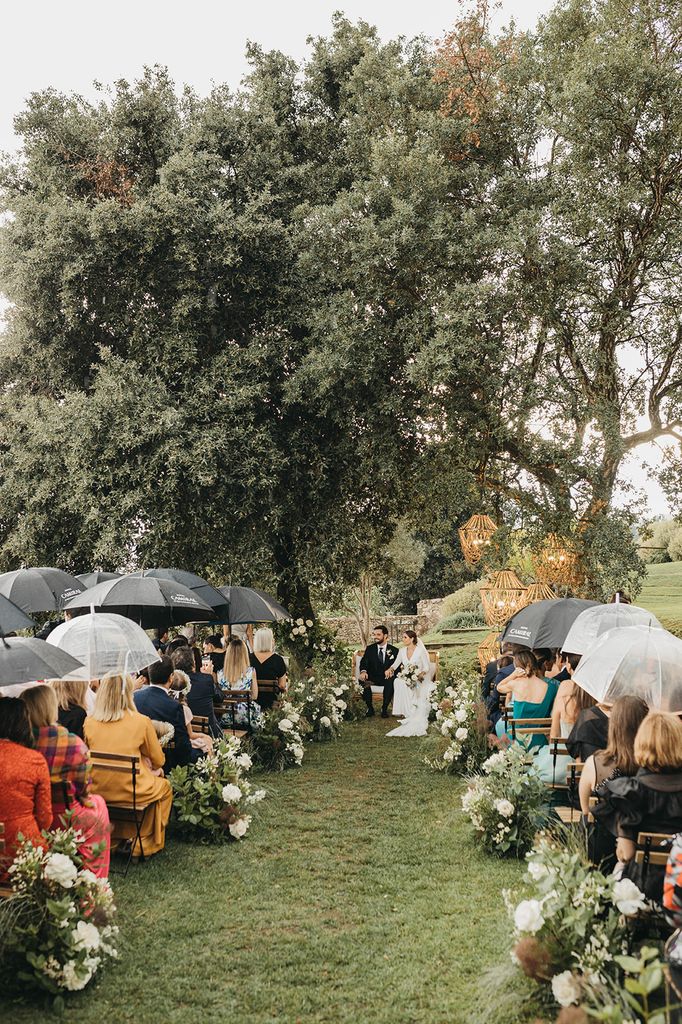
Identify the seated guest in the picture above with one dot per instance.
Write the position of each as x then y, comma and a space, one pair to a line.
203, 690
495, 672
267, 664
571, 700
650, 801
180, 687
68, 762
590, 732
156, 703
160, 639
72, 703
533, 695
615, 762
237, 674
116, 727
551, 663
25, 798
214, 650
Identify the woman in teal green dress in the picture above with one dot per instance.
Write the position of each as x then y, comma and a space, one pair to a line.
533, 697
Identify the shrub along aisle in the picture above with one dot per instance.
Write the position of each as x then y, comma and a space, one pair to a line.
360, 895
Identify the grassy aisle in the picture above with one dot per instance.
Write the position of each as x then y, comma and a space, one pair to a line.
359, 896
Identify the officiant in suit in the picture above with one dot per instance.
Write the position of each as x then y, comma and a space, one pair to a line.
378, 656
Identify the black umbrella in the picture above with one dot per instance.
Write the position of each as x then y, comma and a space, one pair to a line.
150, 602
12, 617
200, 587
39, 590
91, 579
545, 623
246, 604
25, 660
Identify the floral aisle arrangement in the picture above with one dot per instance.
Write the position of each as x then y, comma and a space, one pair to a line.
323, 704
279, 744
308, 641
58, 930
571, 933
213, 798
462, 724
507, 803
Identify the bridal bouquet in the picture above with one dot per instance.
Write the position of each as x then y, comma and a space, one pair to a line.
57, 930
507, 803
411, 675
213, 798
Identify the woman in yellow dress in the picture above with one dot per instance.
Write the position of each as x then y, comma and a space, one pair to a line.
116, 727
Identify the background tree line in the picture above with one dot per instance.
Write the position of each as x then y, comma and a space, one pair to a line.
259, 333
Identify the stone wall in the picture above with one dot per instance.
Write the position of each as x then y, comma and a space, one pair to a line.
429, 612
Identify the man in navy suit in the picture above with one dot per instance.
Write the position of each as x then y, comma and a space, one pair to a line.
202, 691
156, 703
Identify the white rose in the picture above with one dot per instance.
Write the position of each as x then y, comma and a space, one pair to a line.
505, 808
244, 761
339, 691
60, 868
628, 897
285, 725
309, 623
74, 981
299, 622
449, 755
461, 715
325, 722
566, 988
297, 751
445, 728
231, 793
528, 916
87, 876
239, 828
461, 734
341, 705
86, 936
537, 870
256, 797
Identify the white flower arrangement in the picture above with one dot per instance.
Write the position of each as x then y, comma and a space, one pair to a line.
460, 719
210, 797
68, 934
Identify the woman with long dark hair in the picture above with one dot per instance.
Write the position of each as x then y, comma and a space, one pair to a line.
533, 695
25, 796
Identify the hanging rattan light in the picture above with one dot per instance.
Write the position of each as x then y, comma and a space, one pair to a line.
475, 536
489, 649
502, 596
539, 592
557, 561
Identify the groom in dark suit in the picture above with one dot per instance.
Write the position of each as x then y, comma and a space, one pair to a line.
377, 658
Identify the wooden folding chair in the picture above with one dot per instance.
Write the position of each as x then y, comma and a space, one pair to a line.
6, 891
231, 701
270, 690
529, 727
200, 724
653, 848
134, 811
557, 749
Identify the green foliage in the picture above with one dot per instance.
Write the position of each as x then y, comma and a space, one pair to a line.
460, 620
278, 744
212, 798
461, 723
466, 599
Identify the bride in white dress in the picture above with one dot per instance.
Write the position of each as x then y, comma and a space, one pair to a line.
413, 704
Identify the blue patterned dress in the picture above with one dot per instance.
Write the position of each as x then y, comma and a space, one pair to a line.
245, 715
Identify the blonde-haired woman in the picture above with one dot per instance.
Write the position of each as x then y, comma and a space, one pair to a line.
72, 701
238, 674
116, 727
68, 762
650, 801
267, 664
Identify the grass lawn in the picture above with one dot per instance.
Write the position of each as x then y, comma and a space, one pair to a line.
662, 594
359, 896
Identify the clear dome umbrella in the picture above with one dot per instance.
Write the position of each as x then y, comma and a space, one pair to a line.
104, 643
592, 622
639, 661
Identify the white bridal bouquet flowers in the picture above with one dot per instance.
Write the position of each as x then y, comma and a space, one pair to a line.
411, 675
58, 929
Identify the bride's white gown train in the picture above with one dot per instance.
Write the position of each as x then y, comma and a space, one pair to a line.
413, 704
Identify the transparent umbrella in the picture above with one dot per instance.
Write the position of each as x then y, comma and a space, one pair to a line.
639, 661
591, 623
104, 643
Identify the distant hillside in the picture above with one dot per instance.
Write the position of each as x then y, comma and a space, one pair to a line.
662, 594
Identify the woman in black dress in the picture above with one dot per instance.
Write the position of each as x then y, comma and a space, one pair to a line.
650, 801
71, 694
267, 664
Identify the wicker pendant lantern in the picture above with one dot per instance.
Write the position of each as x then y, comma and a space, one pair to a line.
502, 596
475, 536
489, 649
557, 561
539, 592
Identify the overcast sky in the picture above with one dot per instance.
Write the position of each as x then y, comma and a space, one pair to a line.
68, 45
